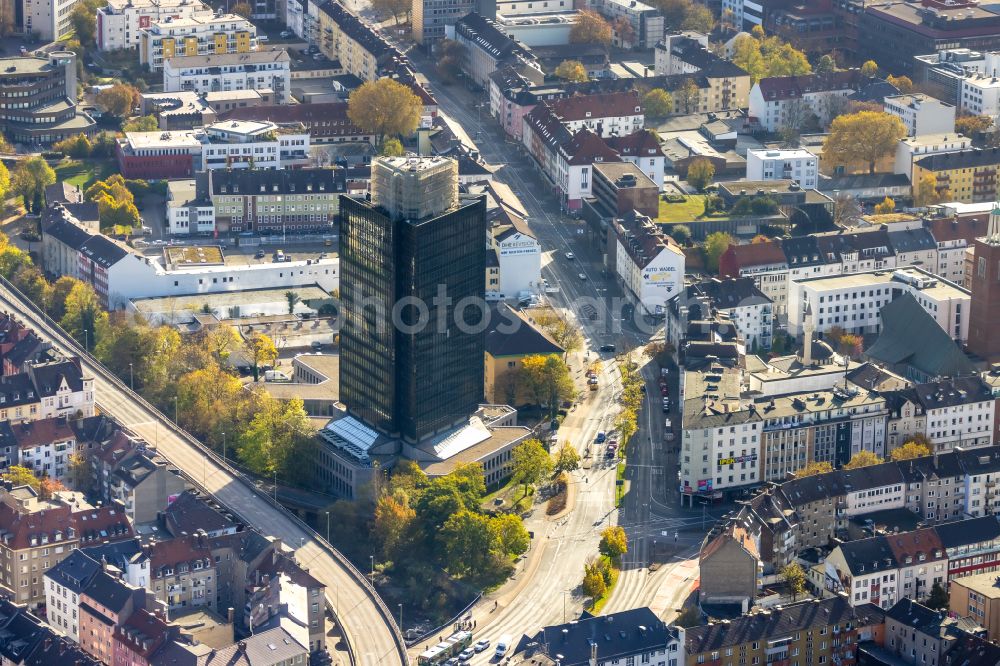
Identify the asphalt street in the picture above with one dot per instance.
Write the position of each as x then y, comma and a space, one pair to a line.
651, 513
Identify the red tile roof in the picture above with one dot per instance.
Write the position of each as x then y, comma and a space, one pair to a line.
42, 433
18, 529
180, 550
924, 542
752, 254
586, 148
142, 633
791, 87
643, 143
104, 524
608, 105
968, 228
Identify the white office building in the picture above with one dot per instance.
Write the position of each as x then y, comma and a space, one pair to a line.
648, 263
853, 301
258, 70
119, 22
49, 19
921, 114
979, 95
799, 165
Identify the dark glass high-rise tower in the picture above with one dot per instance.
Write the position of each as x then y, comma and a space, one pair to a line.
408, 257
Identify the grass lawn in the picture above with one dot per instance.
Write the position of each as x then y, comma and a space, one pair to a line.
598, 603
83, 173
690, 210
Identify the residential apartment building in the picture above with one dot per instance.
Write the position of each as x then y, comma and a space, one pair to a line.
681, 53
970, 175
648, 263
489, 48
741, 302
362, 52
913, 148
105, 604
815, 631
921, 114
64, 583
49, 19
120, 21
788, 101
35, 535
977, 597
228, 72
955, 412
277, 201
646, 22
214, 34
979, 94
25, 639
917, 634
852, 301
799, 165
182, 572
38, 99
143, 484
638, 638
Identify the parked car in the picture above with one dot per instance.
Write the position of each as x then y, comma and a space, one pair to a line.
466, 654
570, 256
582, 276
607, 348
601, 437
260, 254
481, 646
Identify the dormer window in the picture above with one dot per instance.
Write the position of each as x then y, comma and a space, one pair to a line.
587, 115
638, 109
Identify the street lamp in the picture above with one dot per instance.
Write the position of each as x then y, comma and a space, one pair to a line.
86, 340
131, 378
175, 409
372, 557
400, 617
223, 445
328, 526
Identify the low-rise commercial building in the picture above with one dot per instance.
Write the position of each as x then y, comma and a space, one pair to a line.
38, 99
326, 122
978, 597
211, 34
648, 263
276, 201
230, 71
646, 22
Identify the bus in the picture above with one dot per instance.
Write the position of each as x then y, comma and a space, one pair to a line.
442, 652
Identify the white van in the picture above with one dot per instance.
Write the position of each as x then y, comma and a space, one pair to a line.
503, 645
275, 376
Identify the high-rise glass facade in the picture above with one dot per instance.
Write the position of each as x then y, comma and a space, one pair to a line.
408, 365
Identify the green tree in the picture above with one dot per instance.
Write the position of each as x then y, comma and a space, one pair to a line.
938, 599
384, 108
61, 289
700, 173
567, 459
243, 9
142, 124
31, 176
392, 148
795, 578
83, 19
83, 315
78, 147
593, 581
826, 65
627, 423
614, 543
32, 283
863, 458
687, 97
260, 350
657, 103
209, 402
467, 540
814, 468
864, 137
531, 463
19, 475
293, 299
590, 28
508, 535
715, 245
452, 58
269, 442
681, 233
869, 68
572, 70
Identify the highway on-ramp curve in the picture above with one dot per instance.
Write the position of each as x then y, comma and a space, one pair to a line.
367, 624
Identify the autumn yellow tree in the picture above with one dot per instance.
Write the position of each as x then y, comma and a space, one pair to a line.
572, 70
863, 137
863, 458
118, 100
969, 125
814, 468
260, 350
384, 108
700, 173
903, 83
590, 28
909, 450
657, 103
869, 68
887, 206
927, 192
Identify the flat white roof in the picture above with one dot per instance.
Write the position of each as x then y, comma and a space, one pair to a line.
200, 20
942, 289
245, 127
782, 154
163, 139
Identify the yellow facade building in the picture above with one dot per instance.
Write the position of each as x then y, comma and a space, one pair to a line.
510, 339
202, 34
970, 175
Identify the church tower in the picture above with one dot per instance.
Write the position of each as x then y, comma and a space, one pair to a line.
984, 319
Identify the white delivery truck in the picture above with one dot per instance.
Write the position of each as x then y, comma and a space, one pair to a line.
503, 645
